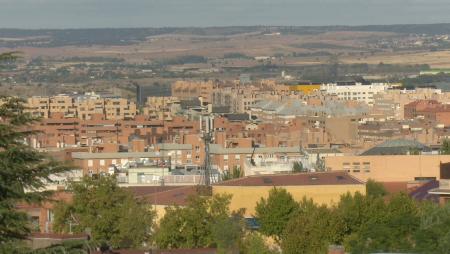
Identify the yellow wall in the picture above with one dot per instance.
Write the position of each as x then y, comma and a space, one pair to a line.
390, 168
247, 196
306, 89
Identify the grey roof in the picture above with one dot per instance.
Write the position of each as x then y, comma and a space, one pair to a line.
397, 147
218, 149
298, 108
221, 109
237, 117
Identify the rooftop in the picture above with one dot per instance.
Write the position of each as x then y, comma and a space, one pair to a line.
218, 149
176, 196
396, 147
322, 178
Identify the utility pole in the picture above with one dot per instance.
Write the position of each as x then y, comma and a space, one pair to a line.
207, 139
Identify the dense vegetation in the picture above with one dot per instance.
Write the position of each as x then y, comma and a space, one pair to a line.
24, 172
112, 214
424, 80
362, 223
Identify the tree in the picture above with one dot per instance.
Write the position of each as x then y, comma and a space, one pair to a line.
320, 163
375, 189
433, 235
254, 243
389, 230
110, 212
310, 231
445, 148
24, 172
274, 212
298, 167
196, 225
227, 233
235, 173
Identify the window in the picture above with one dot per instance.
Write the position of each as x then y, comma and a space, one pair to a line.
50, 215
366, 167
102, 162
90, 163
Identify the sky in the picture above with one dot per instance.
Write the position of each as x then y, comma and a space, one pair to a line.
203, 13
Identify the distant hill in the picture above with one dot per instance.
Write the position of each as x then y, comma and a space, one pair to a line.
125, 36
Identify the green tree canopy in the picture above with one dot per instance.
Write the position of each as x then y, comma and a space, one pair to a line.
390, 229
445, 148
111, 213
236, 172
254, 243
197, 225
24, 172
310, 231
274, 212
298, 167
433, 235
375, 189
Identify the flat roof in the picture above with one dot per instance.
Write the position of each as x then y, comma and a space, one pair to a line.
319, 178
125, 155
218, 149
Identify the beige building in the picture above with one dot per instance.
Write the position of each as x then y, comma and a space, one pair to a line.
82, 107
389, 168
159, 108
185, 90
394, 101
323, 188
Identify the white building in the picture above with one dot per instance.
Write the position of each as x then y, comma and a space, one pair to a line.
355, 91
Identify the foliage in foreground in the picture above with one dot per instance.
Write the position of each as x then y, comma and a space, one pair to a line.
361, 223
24, 172
203, 222
110, 213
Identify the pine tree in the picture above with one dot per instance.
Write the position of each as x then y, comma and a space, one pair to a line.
24, 172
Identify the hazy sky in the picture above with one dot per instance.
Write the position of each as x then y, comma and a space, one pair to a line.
160, 13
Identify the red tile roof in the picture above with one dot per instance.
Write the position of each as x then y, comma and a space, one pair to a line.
178, 196
322, 178
139, 191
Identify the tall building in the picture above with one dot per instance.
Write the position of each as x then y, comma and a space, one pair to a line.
154, 90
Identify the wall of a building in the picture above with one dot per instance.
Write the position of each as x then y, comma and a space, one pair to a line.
247, 196
388, 168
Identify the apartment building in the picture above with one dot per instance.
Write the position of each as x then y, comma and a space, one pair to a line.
60, 132
430, 110
185, 90
323, 188
161, 108
355, 91
389, 168
81, 106
397, 99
